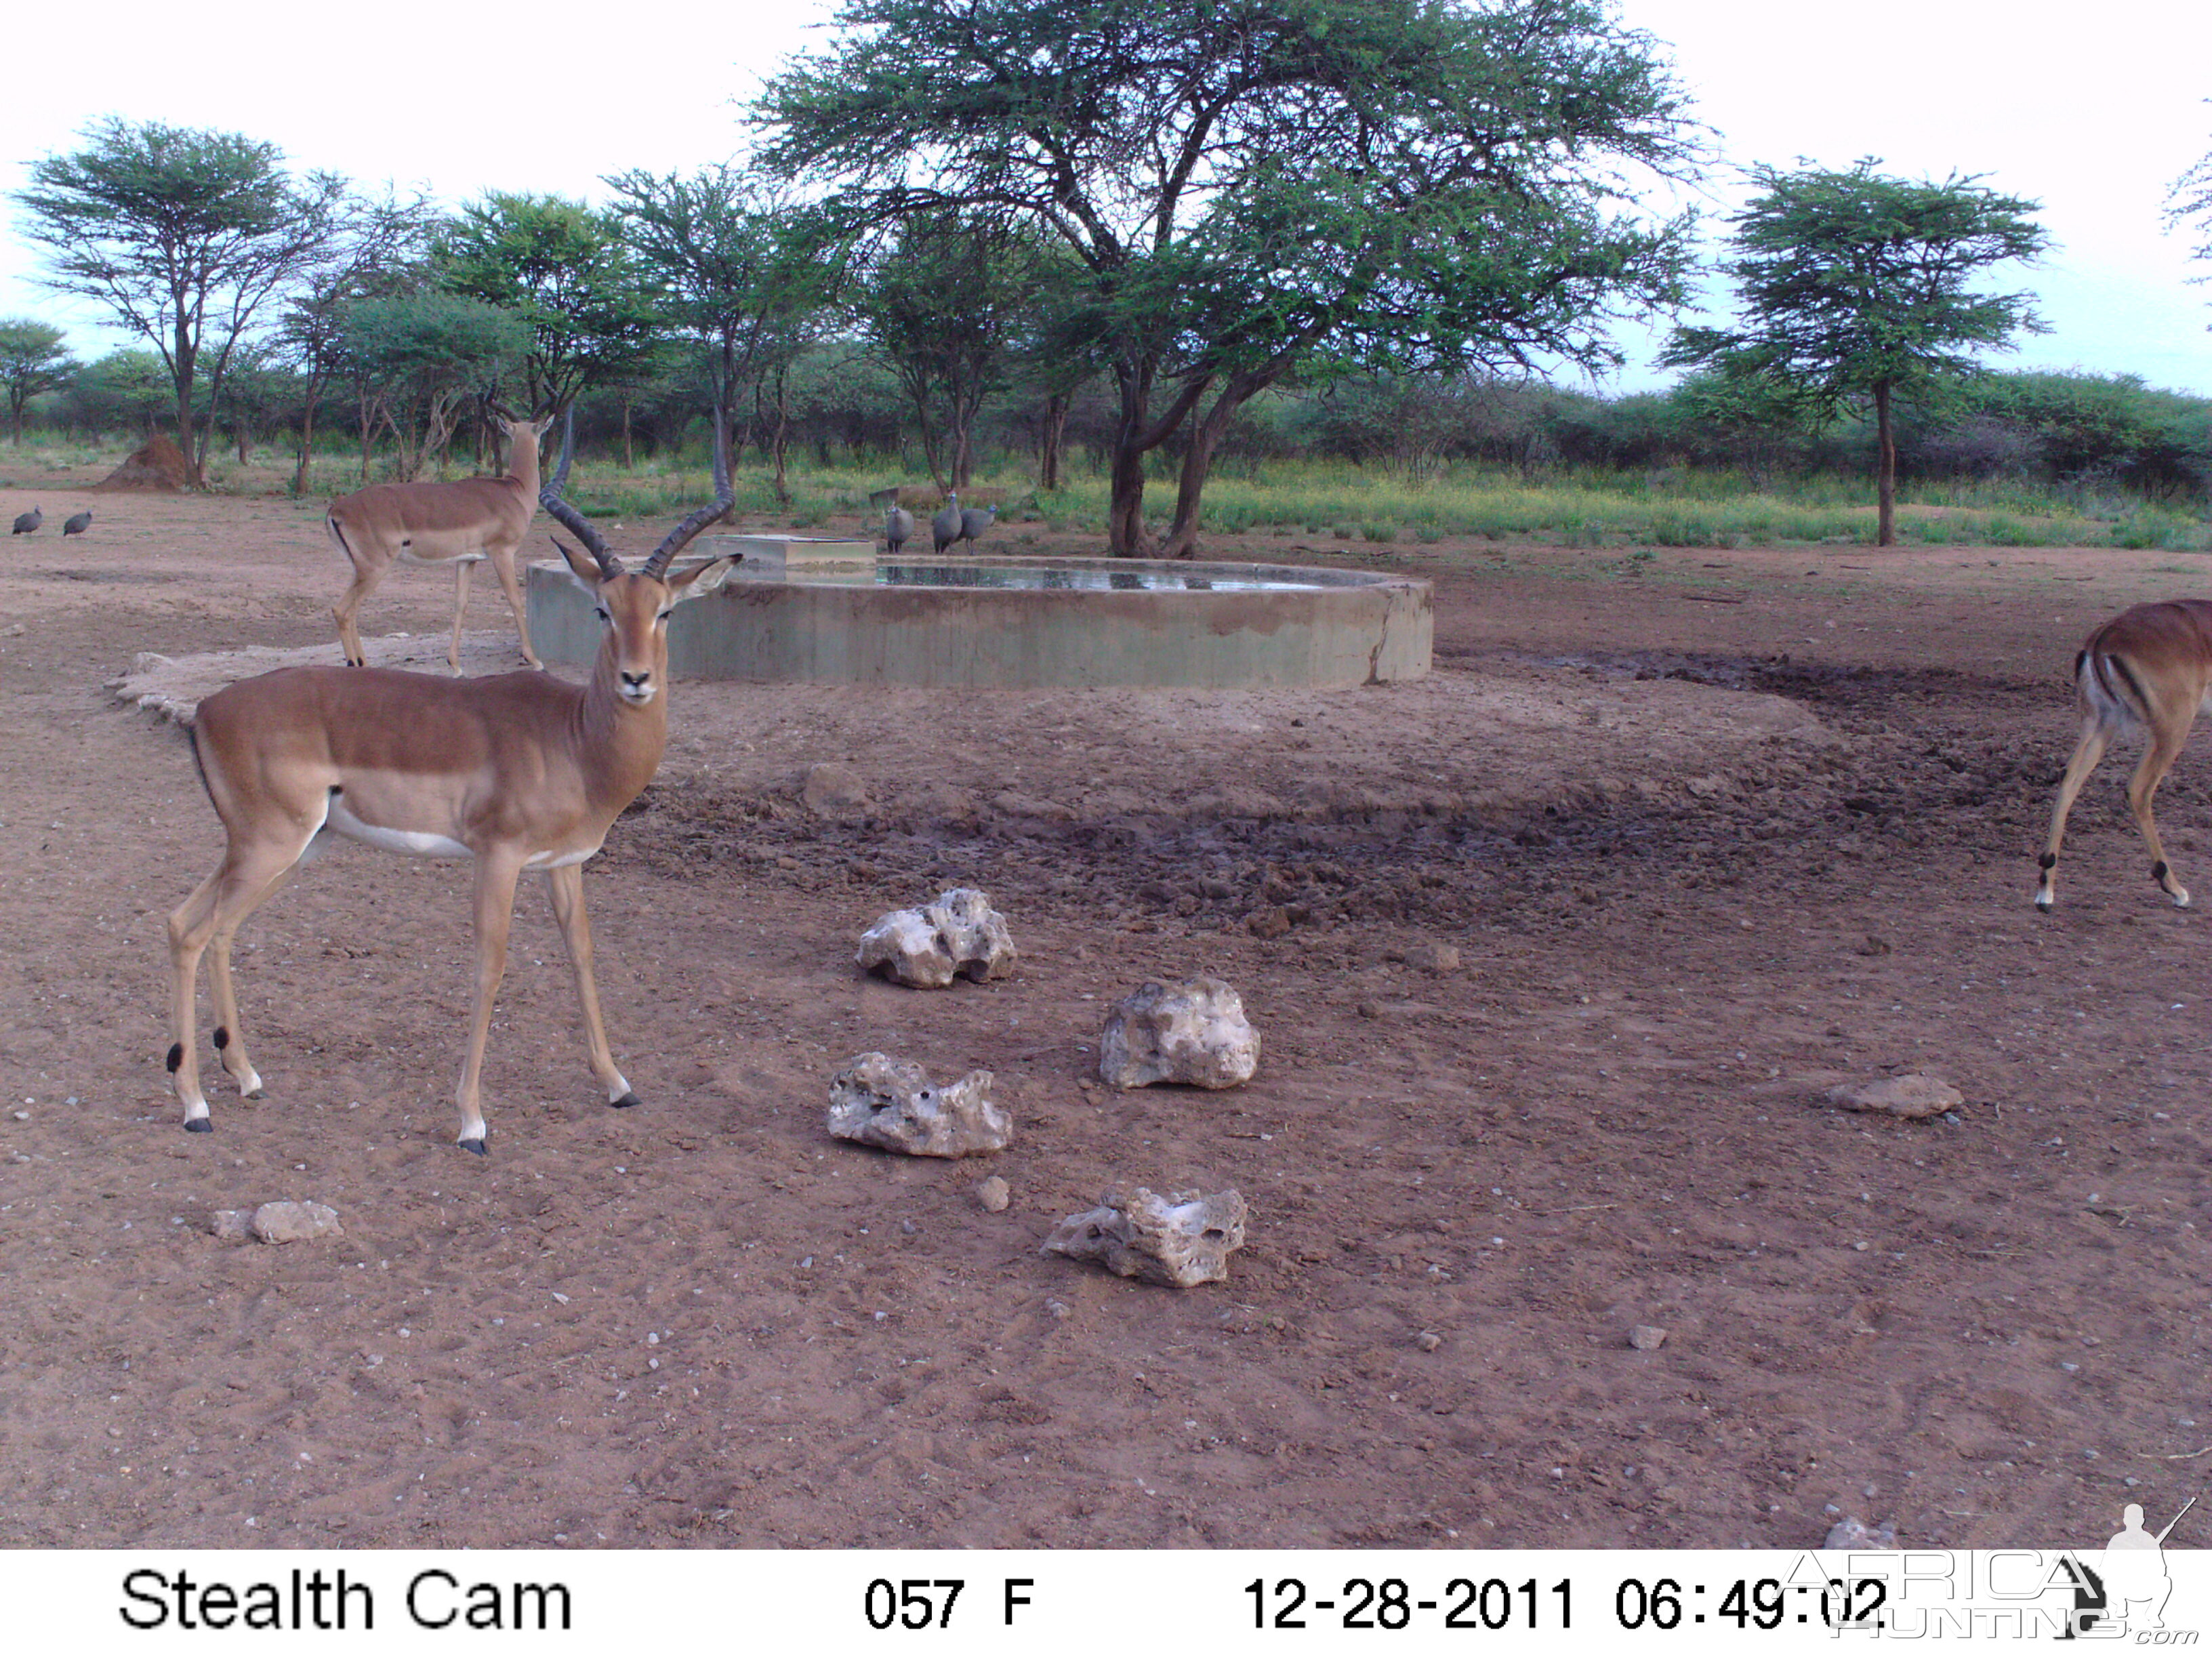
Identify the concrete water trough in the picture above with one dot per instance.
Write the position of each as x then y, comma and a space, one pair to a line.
832, 613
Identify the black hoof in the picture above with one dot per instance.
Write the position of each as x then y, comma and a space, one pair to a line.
255, 1094
199, 1126
629, 1099
476, 1145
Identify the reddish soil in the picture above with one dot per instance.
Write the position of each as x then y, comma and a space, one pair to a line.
1712, 831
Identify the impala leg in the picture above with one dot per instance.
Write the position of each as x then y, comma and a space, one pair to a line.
463, 568
2165, 748
566, 885
502, 564
229, 1029
364, 582
244, 879
2086, 754
497, 875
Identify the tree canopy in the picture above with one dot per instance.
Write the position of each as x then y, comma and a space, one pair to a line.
563, 269
184, 233
1854, 287
32, 359
1251, 185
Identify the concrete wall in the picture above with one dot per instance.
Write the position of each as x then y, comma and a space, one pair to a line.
1356, 629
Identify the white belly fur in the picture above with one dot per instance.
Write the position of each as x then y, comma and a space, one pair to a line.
416, 843
425, 844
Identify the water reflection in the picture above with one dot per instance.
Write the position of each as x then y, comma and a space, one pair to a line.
1076, 579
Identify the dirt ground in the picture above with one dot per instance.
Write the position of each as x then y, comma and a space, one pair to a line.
1711, 831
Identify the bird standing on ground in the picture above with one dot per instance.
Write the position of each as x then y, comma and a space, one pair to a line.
27, 522
898, 524
945, 528
77, 523
975, 521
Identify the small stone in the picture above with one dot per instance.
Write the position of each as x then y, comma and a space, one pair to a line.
1272, 922
232, 1224
1056, 1307
1182, 1240
833, 790
1913, 1096
1428, 1342
994, 1194
1647, 1337
1431, 957
289, 1221
881, 1102
1852, 1534
1193, 1033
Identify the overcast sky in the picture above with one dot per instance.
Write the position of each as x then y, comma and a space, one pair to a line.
2093, 111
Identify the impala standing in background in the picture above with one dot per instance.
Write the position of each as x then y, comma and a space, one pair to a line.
2147, 670
518, 771
457, 522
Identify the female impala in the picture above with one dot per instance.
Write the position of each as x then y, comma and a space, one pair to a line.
2148, 669
517, 771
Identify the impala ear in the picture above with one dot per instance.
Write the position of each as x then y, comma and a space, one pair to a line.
704, 579
585, 574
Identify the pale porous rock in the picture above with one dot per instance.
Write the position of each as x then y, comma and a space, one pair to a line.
881, 1102
287, 1221
1910, 1096
1193, 1033
1852, 1534
1182, 1240
233, 1224
959, 936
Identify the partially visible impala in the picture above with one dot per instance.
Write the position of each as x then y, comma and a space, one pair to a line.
2147, 670
518, 771
458, 523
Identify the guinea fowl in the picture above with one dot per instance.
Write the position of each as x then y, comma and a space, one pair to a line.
945, 528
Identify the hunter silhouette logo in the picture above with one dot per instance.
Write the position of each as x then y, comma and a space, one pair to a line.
2126, 1591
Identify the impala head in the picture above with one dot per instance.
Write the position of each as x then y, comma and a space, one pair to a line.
636, 605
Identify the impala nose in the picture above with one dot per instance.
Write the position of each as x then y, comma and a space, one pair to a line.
637, 687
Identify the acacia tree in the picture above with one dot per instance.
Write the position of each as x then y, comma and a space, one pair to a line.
184, 234
422, 361
563, 269
1854, 289
743, 268
378, 254
1249, 185
946, 303
31, 360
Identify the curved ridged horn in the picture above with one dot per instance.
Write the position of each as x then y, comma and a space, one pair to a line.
549, 499
680, 538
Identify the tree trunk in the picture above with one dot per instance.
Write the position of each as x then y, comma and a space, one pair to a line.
1885, 470
307, 438
368, 432
782, 424
1049, 441
1198, 461
630, 456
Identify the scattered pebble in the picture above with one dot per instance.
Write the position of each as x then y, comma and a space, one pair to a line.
1647, 1337
1428, 1342
993, 1194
